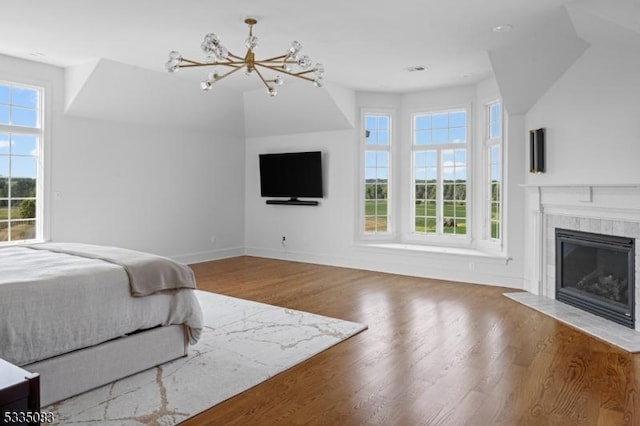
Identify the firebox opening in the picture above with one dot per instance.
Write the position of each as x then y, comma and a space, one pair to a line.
596, 272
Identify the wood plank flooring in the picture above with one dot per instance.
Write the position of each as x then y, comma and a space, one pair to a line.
435, 353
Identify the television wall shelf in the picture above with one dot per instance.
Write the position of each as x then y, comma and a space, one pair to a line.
293, 202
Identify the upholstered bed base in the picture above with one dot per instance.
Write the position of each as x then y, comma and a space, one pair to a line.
79, 371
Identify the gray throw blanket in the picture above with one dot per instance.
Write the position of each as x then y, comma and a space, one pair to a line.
148, 273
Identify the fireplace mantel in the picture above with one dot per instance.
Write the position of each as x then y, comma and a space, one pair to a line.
600, 201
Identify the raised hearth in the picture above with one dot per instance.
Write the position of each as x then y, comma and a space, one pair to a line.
600, 328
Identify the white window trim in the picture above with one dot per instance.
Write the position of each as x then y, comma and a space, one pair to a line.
43, 207
411, 237
488, 144
475, 243
486, 243
361, 235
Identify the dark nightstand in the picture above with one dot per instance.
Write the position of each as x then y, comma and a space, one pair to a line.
19, 394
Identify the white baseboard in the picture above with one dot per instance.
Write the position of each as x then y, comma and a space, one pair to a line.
205, 256
402, 265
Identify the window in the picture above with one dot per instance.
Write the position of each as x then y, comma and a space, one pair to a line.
439, 158
494, 167
377, 145
431, 182
20, 147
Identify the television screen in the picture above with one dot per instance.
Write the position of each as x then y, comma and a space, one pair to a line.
293, 174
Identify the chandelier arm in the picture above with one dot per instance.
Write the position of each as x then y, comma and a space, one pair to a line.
276, 69
304, 72
232, 64
292, 62
262, 78
194, 65
228, 73
191, 62
275, 58
235, 56
227, 64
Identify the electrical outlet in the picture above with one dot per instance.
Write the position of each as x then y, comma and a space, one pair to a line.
213, 239
284, 240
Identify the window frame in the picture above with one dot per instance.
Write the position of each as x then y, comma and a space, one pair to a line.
441, 238
402, 186
42, 135
488, 144
363, 147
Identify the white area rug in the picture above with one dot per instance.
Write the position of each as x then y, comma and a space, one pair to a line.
243, 344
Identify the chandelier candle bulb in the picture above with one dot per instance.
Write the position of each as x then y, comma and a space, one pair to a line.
251, 42
217, 55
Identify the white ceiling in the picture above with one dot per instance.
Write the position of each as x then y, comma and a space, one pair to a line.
364, 45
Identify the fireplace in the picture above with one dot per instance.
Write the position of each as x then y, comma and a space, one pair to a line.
596, 272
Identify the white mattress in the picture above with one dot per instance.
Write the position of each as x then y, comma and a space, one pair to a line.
54, 303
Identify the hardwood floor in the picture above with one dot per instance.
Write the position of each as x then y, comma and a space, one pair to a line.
435, 353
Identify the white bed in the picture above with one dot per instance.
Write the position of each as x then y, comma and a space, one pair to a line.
67, 312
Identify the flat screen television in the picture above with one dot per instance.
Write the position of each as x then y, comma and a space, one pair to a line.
291, 175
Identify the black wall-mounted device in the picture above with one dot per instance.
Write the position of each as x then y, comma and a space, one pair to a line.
536, 151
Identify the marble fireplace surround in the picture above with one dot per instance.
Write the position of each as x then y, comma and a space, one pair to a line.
610, 209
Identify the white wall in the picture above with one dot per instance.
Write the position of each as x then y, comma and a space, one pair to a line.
592, 131
591, 120
158, 189
325, 234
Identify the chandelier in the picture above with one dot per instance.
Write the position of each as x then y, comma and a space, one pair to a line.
291, 63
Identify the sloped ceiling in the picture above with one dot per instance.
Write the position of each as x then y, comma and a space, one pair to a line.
526, 70
112, 91
615, 23
298, 108
109, 90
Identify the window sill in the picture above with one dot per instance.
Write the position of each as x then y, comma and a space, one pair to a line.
463, 253
21, 242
